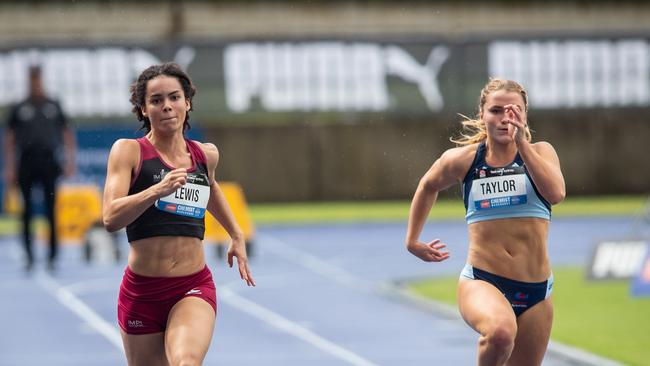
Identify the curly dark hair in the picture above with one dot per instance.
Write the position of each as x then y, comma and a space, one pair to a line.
139, 89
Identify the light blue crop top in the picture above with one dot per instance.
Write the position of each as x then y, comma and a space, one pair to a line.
496, 193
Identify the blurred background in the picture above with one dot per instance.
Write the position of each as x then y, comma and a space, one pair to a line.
329, 105
340, 100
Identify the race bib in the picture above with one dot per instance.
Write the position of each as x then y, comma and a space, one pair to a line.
189, 200
499, 188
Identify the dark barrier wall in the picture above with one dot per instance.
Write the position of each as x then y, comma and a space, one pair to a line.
327, 162
601, 153
364, 117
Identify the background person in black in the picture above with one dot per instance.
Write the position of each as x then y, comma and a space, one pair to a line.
36, 132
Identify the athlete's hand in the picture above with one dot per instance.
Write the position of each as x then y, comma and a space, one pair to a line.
515, 118
429, 252
237, 249
172, 181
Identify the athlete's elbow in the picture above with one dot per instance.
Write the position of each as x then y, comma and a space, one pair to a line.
109, 223
556, 197
426, 186
110, 227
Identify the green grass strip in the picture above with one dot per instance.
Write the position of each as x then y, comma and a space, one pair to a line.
600, 317
601, 206
296, 213
8, 225
374, 211
363, 211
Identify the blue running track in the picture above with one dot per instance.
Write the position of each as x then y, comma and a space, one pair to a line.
324, 298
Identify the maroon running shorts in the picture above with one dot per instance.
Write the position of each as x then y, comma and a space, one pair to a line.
144, 302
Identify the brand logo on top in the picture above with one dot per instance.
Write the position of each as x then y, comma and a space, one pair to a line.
160, 176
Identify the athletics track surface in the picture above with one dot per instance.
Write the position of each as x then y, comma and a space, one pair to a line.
325, 297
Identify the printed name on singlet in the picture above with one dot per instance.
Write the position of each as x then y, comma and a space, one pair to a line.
189, 200
500, 187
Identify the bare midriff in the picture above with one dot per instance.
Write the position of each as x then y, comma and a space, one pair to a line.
515, 248
166, 256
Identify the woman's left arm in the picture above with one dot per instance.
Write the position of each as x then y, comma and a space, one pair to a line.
543, 166
219, 208
540, 158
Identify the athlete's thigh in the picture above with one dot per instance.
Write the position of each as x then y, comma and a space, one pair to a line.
145, 349
484, 307
189, 328
533, 335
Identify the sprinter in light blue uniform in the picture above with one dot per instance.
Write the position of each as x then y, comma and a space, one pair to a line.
509, 185
493, 193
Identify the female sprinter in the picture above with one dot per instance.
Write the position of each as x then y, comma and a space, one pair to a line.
509, 185
159, 187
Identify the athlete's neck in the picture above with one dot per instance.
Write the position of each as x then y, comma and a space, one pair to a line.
497, 154
170, 145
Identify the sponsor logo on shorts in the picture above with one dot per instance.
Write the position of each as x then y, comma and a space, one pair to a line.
194, 291
521, 296
135, 323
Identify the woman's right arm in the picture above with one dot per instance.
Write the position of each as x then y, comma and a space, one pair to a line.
119, 208
444, 172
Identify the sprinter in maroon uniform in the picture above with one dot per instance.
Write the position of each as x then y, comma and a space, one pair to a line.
159, 187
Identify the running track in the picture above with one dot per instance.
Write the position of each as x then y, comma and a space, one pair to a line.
324, 298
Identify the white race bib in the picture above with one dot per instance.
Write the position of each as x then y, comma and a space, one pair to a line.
499, 191
189, 200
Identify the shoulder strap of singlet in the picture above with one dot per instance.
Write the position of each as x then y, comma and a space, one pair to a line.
519, 160
147, 151
197, 153
478, 158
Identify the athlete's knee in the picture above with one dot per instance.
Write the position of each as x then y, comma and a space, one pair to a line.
500, 337
187, 359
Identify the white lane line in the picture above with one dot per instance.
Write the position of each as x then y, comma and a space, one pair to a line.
323, 268
83, 311
313, 263
74, 304
579, 356
90, 286
292, 328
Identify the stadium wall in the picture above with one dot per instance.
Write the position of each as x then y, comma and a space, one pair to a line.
600, 152
159, 21
369, 133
